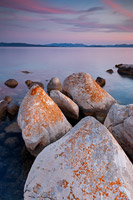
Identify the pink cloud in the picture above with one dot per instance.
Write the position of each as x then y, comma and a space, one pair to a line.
119, 8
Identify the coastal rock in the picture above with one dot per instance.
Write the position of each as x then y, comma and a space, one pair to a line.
12, 83
26, 72
86, 163
119, 65
119, 121
12, 109
125, 69
68, 107
110, 71
54, 84
101, 81
88, 95
40, 120
3, 109
8, 99
30, 83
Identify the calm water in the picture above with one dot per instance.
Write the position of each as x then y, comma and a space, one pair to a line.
45, 63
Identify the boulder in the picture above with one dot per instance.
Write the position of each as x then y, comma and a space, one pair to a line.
110, 71
88, 95
30, 83
12, 83
119, 121
54, 84
101, 81
40, 120
68, 107
125, 69
3, 109
86, 163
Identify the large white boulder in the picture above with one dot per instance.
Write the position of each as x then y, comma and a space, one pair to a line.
68, 107
40, 120
89, 96
119, 121
86, 163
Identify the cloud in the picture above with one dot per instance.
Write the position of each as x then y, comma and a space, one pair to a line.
39, 7
119, 8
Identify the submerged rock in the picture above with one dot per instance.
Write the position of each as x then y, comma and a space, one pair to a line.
40, 120
119, 121
110, 71
13, 109
68, 107
54, 84
12, 83
13, 128
125, 69
88, 95
86, 163
101, 81
26, 72
3, 109
8, 99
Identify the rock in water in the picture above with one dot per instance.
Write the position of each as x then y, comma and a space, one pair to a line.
125, 69
101, 81
40, 120
119, 121
89, 96
68, 107
12, 83
87, 163
110, 71
54, 84
3, 109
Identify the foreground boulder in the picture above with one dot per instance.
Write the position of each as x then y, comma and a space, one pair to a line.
40, 120
68, 107
87, 163
89, 96
54, 84
101, 81
125, 69
119, 121
12, 83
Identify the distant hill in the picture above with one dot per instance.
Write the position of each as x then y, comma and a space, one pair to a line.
3, 44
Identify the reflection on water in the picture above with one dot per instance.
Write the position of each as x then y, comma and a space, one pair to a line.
45, 63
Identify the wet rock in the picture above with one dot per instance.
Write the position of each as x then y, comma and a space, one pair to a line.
119, 121
101, 81
88, 95
12, 109
40, 120
26, 72
30, 83
54, 84
8, 99
68, 107
119, 65
12, 83
110, 71
87, 163
11, 142
3, 109
13, 128
125, 69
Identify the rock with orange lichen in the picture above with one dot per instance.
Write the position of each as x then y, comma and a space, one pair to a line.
119, 121
89, 96
40, 120
68, 107
85, 164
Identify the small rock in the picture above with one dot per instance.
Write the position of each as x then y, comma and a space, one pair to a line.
101, 81
68, 107
119, 65
12, 109
30, 83
3, 109
54, 84
11, 142
8, 99
12, 83
13, 128
110, 71
26, 72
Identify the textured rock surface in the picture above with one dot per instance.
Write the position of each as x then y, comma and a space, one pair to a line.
54, 84
68, 107
41, 120
119, 121
88, 95
87, 163
12, 83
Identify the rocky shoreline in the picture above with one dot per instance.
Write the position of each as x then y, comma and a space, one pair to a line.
46, 118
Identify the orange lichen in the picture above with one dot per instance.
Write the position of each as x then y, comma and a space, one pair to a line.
34, 91
63, 183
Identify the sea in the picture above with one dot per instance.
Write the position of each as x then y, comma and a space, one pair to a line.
43, 63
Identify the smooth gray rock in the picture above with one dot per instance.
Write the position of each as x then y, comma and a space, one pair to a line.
86, 163
119, 121
54, 84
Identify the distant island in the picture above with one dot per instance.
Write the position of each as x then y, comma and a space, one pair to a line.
3, 44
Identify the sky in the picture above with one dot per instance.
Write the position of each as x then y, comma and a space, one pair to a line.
71, 21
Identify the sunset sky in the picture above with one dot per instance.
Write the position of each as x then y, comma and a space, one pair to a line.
75, 21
